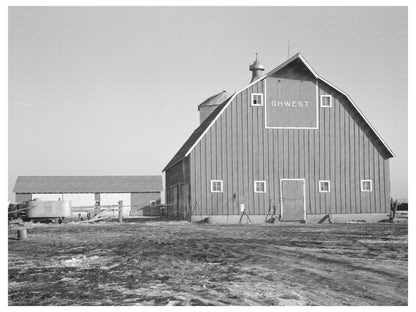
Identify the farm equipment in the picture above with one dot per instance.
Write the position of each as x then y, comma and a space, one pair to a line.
38, 210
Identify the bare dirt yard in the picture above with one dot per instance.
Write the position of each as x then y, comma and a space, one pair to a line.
179, 263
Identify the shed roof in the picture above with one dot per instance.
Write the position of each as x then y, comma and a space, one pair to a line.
87, 184
204, 127
216, 99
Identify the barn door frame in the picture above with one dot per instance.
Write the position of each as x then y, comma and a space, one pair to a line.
304, 196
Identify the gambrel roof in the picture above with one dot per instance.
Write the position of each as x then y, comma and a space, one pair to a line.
197, 135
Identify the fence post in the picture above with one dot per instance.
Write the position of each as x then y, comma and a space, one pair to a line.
96, 208
22, 234
120, 211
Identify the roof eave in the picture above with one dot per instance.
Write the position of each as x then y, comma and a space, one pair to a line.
168, 166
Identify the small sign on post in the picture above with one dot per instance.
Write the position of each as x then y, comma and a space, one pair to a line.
120, 211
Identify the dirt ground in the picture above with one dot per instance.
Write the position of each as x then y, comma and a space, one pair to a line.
178, 263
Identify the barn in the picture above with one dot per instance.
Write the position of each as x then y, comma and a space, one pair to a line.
134, 191
289, 143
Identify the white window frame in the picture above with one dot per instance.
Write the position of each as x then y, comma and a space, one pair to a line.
212, 184
371, 185
330, 100
255, 188
252, 99
320, 186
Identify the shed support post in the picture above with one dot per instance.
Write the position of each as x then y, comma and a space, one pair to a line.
120, 211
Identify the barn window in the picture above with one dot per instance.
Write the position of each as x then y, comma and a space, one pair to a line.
326, 100
259, 186
366, 185
257, 99
324, 186
216, 186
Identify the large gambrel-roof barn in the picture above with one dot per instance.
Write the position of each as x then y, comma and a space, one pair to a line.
291, 142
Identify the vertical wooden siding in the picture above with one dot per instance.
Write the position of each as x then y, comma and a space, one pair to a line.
238, 150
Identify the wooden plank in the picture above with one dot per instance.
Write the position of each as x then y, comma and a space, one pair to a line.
376, 181
192, 168
270, 145
281, 174
332, 154
371, 175
241, 137
209, 156
337, 163
295, 150
362, 171
250, 117
281, 163
387, 183
260, 154
322, 158
311, 167
216, 139
347, 162
342, 160
366, 170
292, 159
285, 153
381, 183
232, 166
257, 156
357, 167
204, 176
246, 157
301, 153
305, 149
214, 165
224, 172
353, 180
327, 156
198, 184
304, 166
224, 156
266, 150
274, 167
319, 208
267, 147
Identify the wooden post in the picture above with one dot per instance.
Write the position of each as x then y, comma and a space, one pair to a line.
393, 211
120, 211
22, 234
96, 208
395, 208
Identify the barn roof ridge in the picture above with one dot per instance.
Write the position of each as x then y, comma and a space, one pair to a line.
193, 140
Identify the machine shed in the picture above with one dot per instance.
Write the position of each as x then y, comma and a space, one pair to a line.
134, 191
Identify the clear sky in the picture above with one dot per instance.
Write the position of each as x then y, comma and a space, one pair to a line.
114, 91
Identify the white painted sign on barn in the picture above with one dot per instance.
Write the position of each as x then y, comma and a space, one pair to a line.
291, 103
